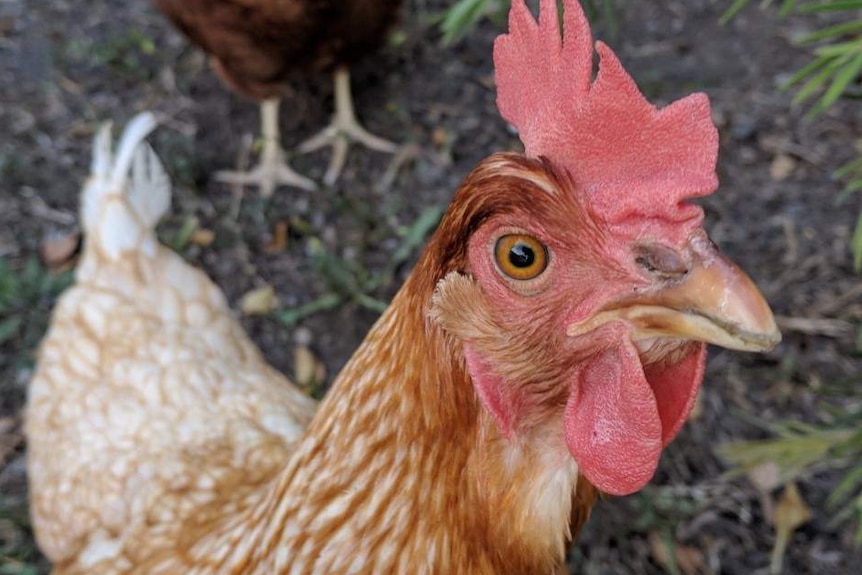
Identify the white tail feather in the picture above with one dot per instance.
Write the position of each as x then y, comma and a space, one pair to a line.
136, 131
101, 163
134, 173
150, 192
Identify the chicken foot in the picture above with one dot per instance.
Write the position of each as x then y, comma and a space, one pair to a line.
343, 128
272, 170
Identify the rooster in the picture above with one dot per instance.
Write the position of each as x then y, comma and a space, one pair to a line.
256, 45
548, 344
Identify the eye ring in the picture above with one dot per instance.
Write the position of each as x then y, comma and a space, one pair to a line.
520, 256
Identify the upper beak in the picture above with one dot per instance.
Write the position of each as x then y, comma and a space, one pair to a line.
714, 302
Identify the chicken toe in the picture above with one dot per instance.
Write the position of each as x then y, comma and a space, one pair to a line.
272, 170
344, 127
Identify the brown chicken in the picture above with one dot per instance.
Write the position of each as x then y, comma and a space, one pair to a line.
257, 45
548, 344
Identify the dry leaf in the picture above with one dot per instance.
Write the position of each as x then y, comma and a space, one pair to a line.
689, 560
202, 237
59, 252
782, 167
659, 549
308, 370
259, 301
439, 137
791, 512
279, 238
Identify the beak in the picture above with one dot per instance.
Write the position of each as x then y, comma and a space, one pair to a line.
713, 302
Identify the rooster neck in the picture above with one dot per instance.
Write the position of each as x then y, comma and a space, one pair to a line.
402, 469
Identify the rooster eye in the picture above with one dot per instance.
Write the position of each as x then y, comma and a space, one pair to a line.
520, 256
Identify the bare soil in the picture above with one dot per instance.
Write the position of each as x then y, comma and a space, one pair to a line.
66, 66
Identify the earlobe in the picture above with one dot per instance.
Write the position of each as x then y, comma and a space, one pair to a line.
459, 308
495, 396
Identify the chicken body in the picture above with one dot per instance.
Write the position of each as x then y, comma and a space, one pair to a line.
258, 45
149, 397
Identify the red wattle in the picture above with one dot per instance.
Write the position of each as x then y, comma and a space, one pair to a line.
612, 423
675, 388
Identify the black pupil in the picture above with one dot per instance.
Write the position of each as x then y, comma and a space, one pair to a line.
521, 255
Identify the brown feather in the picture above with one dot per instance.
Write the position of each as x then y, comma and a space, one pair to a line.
256, 45
585, 498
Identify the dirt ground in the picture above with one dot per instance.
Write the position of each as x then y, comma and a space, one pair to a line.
64, 68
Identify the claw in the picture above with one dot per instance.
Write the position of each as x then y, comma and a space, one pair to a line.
344, 128
273, 170
267, 177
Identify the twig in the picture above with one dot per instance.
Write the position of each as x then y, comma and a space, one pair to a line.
839, 303
794, 273
792, 239
42, 210
172, 121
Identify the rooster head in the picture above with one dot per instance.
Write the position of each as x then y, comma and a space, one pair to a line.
579, 283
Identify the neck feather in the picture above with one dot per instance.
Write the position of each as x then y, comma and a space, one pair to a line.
403, 470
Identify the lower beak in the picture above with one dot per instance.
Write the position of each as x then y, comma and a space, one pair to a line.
714, 302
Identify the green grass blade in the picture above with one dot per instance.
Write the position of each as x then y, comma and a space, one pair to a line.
839, 6
609, 15
460, 19
290, 317
840, 81
787, 7
9, 328
792, 455
849, 168
31, 273
840, 48
183, 236
415, 235
850, 483
856, 244
835, 31
16, 568
371, 303
858, 506
806, 71
731, 12
816, 82
848, 190
669, 543
10, 286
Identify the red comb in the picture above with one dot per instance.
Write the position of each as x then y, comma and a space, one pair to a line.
633, 159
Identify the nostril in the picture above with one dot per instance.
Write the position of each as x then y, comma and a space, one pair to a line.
661, 260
